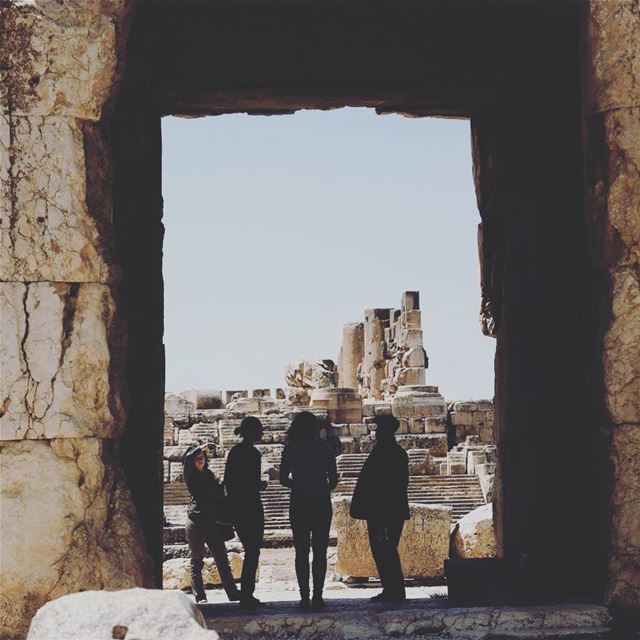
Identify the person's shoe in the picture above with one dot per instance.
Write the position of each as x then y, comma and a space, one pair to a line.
305, 603
249, 602
381, 597
317, 603
201, 599
235, 596
386, 596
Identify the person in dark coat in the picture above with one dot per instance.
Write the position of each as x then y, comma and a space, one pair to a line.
380, 498
308, 467
205, 490
243, 481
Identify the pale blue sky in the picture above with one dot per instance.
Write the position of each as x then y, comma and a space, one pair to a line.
280, 229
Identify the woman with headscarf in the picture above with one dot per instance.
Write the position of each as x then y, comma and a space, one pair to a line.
308, 467
243, 481
205, 490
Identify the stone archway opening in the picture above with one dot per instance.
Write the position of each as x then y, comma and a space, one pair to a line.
385, 214
538, 284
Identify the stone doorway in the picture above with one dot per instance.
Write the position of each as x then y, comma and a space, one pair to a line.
539, 284
552, 92
214, 221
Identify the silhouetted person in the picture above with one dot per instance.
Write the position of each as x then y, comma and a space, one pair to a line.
206, 491
328, 434
309, 467
242, 478
380, 498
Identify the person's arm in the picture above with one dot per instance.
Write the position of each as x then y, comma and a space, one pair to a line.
229, 471
262, 484
332, 471
285, 470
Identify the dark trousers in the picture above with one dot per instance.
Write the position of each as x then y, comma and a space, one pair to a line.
384, 537
310, 523
250, 529
197, 535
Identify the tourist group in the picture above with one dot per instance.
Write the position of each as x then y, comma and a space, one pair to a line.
308, 467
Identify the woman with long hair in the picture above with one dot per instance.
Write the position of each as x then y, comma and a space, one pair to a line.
308, 467
242, 478
205, 490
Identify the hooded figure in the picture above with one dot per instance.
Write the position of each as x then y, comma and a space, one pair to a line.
380, 498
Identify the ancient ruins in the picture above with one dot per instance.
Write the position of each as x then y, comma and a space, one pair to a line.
552, 91
450, 445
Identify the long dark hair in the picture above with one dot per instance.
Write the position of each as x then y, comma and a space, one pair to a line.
304, 426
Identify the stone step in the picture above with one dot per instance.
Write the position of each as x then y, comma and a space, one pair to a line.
424, 618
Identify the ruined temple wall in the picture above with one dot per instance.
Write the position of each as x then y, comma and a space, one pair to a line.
68, 521
612, 135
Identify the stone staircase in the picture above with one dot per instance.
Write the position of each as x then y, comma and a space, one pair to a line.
462, 493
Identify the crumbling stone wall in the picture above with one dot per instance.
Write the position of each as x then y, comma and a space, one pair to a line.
68, 522
612, 115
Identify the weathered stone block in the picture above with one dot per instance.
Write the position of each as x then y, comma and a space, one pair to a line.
358, 430
435, 425
624, 563
57, 371
414, 375
418, 406
47, 229
404, 426
424, 545
412, 319
622, 349
341, 429
462, 418
410, 300
410, 338
132, 613
203, 399
415, 357
176, 573
382, 409
615, 59
72, 524
70, 50
416, 425
474, 536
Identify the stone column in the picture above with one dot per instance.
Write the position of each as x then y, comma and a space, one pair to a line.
68, 521
375, 322
351, 354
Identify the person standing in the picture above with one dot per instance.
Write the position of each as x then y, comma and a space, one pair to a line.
205, 490
243, 481
308, 467
380, 498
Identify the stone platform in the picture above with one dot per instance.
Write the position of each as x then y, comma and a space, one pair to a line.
432, 618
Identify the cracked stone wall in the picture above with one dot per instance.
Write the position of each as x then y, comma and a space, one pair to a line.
68, 520
613, 169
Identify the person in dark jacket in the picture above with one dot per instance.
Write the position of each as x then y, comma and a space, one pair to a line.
308, 467
380, 498
243, 481
205, 490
